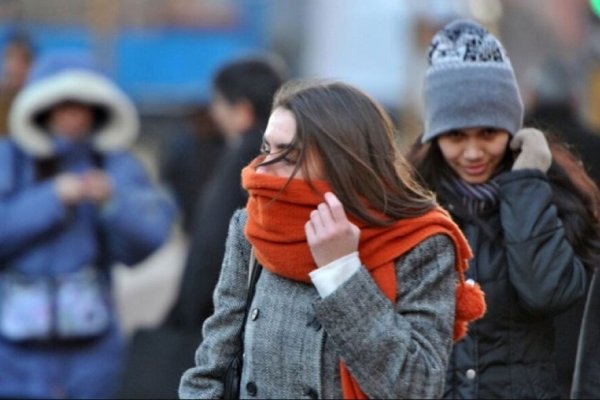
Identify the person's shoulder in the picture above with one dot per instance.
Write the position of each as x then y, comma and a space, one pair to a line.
237, 223
5, 145
431, 261
236, 236
438, 243
430, 251
239, 218
123, 159
120, 154
9, 150
12, 163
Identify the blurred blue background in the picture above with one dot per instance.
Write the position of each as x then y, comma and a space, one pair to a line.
153, 63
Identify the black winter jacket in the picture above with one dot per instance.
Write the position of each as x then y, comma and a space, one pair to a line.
529, 274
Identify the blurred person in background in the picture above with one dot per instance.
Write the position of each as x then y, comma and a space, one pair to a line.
73, 202
527, 207
361, 287
16, 61
242, 96
553, 109
243, 92
188, 161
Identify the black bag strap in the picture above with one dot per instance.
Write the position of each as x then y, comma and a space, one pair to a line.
254, 270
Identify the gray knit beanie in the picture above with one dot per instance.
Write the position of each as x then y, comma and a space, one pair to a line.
469, 82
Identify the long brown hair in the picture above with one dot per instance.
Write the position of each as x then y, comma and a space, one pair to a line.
575, 195
353, 138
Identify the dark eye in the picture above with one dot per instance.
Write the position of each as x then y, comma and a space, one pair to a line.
264, 149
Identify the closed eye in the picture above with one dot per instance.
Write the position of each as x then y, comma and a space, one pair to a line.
265, 149
287, 153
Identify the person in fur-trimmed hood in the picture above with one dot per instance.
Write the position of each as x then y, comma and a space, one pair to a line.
526, 205
73, 201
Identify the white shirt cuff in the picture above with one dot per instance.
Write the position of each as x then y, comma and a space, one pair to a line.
331, 276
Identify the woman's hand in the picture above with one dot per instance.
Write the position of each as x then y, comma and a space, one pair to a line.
329, 233
97, 186
70, 189
535, 152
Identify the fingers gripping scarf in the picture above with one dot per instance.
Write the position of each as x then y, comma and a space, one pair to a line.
276, 230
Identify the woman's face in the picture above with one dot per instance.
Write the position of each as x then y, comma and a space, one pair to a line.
231, 118
278, 138
71, 120
474, 154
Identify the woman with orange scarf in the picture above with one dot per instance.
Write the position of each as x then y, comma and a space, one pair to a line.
362, 286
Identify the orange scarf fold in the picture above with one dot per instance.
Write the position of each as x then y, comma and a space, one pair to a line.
276, 230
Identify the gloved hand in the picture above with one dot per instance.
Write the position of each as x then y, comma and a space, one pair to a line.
535, 152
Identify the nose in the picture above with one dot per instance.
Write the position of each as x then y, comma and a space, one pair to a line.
472, 150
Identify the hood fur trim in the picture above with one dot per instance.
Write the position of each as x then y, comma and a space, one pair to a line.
119, 132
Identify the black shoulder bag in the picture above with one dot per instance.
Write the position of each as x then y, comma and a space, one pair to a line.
233, 376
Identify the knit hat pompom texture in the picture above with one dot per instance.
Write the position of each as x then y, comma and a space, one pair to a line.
469, 82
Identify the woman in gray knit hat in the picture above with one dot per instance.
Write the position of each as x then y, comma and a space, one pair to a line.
526, 205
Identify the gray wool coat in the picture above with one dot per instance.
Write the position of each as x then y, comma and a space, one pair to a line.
294, 339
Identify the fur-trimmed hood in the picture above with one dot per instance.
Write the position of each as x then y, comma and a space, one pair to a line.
71, 77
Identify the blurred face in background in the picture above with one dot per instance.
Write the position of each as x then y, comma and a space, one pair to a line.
233, 119
16, 64
71, 120
474, 154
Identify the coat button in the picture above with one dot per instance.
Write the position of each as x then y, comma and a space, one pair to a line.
251, 388
254, 314
314, 323
471, 374
311, 393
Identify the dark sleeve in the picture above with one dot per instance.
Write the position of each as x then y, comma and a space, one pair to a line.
543, 268
586, 379
222, 197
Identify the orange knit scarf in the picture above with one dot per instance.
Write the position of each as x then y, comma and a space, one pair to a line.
276, 230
